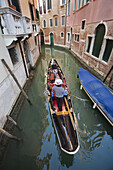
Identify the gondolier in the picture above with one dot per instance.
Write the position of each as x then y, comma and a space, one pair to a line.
59, 93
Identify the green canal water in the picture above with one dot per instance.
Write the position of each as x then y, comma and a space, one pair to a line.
40, 148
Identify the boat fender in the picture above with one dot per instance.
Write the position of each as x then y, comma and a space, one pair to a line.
94, 106
81, 87
52, 95
65, 92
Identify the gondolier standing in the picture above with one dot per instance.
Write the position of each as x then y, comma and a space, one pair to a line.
59, 93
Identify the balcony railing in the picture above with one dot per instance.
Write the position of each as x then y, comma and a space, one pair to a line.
13, 23
26, 24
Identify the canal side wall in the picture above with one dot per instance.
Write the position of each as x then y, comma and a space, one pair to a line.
89, 32
9, 90
14, 112
19, 47
86, 26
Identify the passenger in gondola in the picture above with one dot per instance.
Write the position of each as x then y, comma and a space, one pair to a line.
54, 67
59, 93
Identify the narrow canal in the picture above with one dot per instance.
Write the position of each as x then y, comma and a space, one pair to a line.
40, 149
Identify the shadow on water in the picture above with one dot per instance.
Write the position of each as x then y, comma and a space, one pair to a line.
40, 148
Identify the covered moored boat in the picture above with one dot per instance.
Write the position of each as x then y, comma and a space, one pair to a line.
99, 93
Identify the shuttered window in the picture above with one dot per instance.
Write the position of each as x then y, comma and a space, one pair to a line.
14, 55
74, 5
31, 11
49, 5
51, 22
108, 50
99, 36
68, 8
56, 22
63, 20
89, 44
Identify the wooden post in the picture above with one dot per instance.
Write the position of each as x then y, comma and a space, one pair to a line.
13, 121
9, 135
108, 74
23, 59
23, 92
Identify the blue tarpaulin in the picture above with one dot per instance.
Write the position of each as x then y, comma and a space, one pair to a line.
100, 93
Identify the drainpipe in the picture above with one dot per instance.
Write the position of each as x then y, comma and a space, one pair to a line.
70, 39
65, 24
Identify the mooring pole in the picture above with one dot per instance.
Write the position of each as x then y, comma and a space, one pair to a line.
23, 92
14, 122
9, 135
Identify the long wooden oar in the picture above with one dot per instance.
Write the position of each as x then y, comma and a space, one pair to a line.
77, 97
69, 113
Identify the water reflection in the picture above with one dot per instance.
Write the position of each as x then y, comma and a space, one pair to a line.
90, 124
40, 148
44, 163
91, 132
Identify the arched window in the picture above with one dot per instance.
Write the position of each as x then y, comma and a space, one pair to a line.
99, 36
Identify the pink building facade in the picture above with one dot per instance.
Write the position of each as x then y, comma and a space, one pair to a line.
89, 32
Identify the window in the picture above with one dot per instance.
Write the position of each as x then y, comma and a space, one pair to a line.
99, 36
44, 24
44, 6
40, 9
63, 2
63, 20
83, 25
79, 4
37, 13
87, 1
74, 5
62, 35
35, 40
68, 37
34, 28
68, 8
15, 3
31, 11
108, 50
14, 55
77, 37
89, 44
51, 22
49, 5
56, 22
82, 3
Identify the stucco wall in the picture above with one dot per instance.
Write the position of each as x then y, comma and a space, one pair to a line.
95, 13
9, 92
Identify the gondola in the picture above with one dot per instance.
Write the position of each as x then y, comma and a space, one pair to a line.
98, 92
64, 121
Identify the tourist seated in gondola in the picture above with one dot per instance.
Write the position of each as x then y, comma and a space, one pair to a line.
54, 67
59, 93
